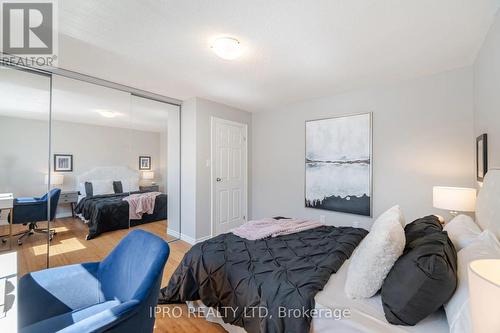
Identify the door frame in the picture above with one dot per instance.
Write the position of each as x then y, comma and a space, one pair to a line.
213, 122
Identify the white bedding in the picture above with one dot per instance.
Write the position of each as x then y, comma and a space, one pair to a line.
366, 315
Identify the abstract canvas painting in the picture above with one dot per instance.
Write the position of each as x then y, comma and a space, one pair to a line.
339, 164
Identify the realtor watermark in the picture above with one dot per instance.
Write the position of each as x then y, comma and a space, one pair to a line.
176, 311
29, 35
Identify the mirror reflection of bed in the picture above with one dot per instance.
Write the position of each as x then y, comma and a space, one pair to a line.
112, 198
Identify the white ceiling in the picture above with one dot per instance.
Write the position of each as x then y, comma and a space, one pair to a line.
294, 49
26, 95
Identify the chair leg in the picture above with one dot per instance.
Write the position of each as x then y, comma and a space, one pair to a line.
32, 229
51, 232
24, 235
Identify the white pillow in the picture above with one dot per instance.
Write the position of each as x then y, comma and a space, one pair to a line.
81, 189
462, 230
130, 185
485, 246
375, 256
102, 187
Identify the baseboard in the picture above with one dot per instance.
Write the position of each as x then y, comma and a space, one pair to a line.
186, 238
202, 239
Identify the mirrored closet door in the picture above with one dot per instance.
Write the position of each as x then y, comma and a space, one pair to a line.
27, 200
156, 139
82, 165
91, 154
112, 152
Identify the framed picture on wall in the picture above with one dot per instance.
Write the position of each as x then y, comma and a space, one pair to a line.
338, 164
63, 163
144, 162
481, 156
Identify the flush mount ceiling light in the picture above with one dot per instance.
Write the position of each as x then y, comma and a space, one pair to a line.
228, 48
108, 114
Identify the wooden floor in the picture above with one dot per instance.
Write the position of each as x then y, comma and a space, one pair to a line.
69, 247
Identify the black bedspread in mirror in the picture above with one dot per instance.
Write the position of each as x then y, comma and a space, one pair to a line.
110, 212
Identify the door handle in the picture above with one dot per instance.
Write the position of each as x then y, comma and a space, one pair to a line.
219, 179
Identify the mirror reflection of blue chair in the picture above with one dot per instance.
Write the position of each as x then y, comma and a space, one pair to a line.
29, 211
118, 294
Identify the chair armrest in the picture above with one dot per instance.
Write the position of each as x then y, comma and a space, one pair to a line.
105, 320
60, 290
28, 202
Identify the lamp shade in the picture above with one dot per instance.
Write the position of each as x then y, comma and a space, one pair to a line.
458, 199
148, 175
54, 179
484, 291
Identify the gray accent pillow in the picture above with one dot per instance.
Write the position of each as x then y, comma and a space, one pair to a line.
424, 277
117, 186
89, 191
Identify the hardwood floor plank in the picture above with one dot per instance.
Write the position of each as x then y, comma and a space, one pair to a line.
69, 246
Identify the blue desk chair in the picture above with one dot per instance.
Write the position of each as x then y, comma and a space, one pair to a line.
29, 211
116, 295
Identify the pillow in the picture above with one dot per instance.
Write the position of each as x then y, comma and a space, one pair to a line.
130, 185
102, 187
118, 187
462, 231
422, 227
485, 246
88, 189
423, 278
375, 256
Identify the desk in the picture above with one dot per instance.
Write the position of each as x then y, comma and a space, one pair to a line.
7, 202
8, 292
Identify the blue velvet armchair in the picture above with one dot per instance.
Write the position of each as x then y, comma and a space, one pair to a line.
32, 210
116, 295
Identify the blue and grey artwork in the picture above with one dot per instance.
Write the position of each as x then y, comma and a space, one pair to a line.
338, 164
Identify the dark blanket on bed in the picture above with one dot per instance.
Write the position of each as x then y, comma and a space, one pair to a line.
110, 212
273, 276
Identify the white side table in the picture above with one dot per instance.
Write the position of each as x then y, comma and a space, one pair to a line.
7, 202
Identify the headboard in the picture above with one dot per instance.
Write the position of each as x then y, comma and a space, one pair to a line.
108, 173
488, 203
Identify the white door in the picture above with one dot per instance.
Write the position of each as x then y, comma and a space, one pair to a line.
229, 175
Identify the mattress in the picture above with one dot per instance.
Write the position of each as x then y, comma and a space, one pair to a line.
361, 316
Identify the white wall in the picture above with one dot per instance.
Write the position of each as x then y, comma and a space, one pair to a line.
24, 151
96, 146
196, 172
422, 132
487, 93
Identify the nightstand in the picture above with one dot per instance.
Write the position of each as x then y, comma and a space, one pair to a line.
69, 197
150, 188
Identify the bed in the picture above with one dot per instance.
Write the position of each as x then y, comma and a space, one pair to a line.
109, 211
365, 315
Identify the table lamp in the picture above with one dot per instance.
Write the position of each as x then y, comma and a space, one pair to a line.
55, 179
454, 199
484, 291
149, 175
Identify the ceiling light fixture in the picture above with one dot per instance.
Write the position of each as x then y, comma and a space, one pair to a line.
108, 114
228, 48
